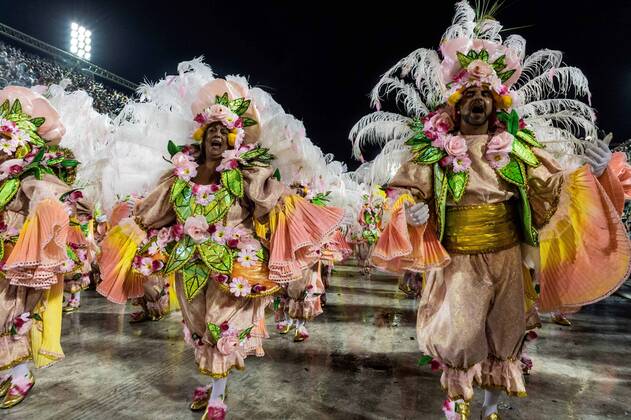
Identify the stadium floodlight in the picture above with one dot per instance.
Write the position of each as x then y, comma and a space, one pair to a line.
80, 41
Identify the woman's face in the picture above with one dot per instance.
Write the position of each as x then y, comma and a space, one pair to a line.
215, 141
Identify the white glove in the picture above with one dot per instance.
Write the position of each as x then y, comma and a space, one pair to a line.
598, 156
417, 215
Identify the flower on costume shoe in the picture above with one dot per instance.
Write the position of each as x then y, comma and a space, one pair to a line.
216, 410
247, 257
185, 166
240, 287
197, 228
228, 345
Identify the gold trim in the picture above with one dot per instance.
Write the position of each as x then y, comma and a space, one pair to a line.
16, 362
220, 375
265, 293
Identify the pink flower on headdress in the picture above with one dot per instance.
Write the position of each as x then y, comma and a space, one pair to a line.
455, 145
197, 228
480, 69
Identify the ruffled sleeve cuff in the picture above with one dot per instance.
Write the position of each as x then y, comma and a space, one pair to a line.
402, 247
118, 250
616, 181
299, 229
40, 251
585, 251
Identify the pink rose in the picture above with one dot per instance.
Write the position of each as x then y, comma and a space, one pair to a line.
214, 188
177, 231
446, 161
456, 146
227, 345
164, 236
197, 228
216, 410
500, 143
480, 69
442, 122
11, 167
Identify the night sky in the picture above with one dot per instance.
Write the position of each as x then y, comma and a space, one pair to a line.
320, 59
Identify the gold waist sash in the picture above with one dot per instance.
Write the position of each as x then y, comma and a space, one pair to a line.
481, 228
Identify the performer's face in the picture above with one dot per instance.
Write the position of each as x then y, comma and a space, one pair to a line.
476, 105
215, 140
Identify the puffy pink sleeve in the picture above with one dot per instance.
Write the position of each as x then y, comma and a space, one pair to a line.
585, 253
403, 247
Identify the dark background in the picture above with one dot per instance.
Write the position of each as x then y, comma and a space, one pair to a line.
320, 59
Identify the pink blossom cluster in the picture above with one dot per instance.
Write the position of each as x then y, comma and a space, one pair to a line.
11, 137
185, 165
219, 113
231, 158
498, 149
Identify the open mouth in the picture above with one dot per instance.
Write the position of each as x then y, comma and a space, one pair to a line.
216, 142
477, 108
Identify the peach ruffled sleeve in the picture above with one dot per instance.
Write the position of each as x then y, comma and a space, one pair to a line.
585, 254
401, 246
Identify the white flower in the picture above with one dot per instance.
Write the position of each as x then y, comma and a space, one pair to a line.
153, 249
67, 266
146, 266
240, 287
8, 146
247, 257
220, 235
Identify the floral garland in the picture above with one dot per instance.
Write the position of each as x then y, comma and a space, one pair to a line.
199, 244
508, 151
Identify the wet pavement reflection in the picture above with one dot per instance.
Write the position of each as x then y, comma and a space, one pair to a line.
360, 363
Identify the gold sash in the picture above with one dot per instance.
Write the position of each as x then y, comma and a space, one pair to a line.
481, 228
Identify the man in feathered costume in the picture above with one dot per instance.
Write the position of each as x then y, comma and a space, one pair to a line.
481, 202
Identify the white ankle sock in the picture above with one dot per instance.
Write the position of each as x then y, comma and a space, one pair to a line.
491, 398
219, 389
20, 371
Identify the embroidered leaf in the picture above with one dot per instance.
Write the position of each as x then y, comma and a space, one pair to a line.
530, 233
219, 207
180, 255
424, 360
4, 109
173, 148
38, 122
8, 190
429, 156
17, 107
514, 172
222, 100
499, 64
419, 147
248, 122
195, 276
473, 54
464, 60
216, 256
528, 137
441, 187
215, 332
39, 156
233, 181
239, 106
484, 55
523, 152
276, 175
22, 151
245, 333
182, 200
457, 183
276, 303
69, 163
36, 317
1, 248
72, 255
505, 75
262, 254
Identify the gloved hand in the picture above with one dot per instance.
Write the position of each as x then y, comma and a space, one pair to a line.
417, 215
598, 155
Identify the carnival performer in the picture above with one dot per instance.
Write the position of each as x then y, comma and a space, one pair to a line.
36, 199
230, 232
482, 201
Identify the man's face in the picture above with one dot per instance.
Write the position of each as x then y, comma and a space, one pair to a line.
215, 140
476, 105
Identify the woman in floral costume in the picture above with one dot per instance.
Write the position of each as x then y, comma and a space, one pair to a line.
36, 201
481, 203
230, 232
